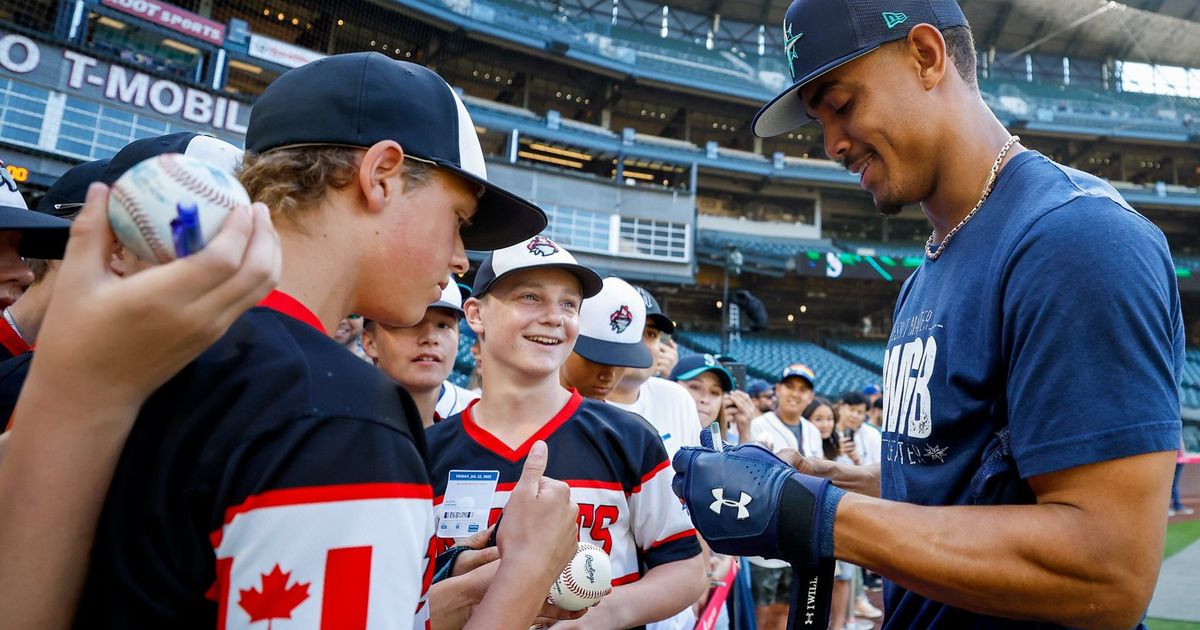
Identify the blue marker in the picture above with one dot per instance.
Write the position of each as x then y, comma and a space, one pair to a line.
185, 230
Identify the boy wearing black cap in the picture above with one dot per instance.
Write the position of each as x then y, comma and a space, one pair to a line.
23, 234
525, 309
278, 463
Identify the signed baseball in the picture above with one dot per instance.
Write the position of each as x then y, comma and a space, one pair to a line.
584, 581
145, 200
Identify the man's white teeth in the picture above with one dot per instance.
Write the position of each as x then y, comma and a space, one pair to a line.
546, 341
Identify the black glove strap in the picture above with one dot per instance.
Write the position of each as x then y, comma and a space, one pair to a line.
812, 593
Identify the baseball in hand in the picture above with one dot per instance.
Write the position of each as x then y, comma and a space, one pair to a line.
584, 581
146, 200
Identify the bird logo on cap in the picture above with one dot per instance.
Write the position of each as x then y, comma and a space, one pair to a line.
620, 319
542, 246
6, 178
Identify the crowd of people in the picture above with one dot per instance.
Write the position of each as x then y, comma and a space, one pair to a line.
206, 443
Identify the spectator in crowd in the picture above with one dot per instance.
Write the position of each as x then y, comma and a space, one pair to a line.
420, 358
525, 309
763, 395
739, 411
852, 414
664, 404
873, 392
875, 414
348, 335
786, 427
23, 234
1177, 506
667, 356
611, 326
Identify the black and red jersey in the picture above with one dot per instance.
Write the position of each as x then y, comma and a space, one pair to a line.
617, 469
277, 477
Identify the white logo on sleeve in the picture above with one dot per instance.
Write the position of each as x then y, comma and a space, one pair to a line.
721, 501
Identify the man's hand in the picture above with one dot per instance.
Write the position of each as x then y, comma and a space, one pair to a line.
860, 479
747, 502
540, 521
478, 554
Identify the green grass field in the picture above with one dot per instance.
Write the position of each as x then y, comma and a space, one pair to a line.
1179, 535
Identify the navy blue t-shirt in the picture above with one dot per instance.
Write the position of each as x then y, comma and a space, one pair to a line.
1048, 335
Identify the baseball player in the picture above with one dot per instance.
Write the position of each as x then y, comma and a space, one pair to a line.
664, 404
278, 476
421, 357
525, 308
1021, 485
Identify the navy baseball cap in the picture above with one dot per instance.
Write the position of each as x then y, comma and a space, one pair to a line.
694, 365
537, 252
820, 35
65, 198
758, 387
610, 327
42, 235
208, 149
359, 99
654, 312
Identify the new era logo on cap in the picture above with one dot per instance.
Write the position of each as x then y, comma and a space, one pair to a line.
894, 19
611, 325
537, 252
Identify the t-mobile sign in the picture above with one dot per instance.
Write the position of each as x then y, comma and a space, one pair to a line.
172, 17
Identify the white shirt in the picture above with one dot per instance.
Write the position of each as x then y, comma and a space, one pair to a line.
869, 441
772, 431
452, 400
670, 409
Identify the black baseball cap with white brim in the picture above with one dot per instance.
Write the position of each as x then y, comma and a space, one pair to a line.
42, 235
611, 325
359, 99
538, 252
820, 35
208, 149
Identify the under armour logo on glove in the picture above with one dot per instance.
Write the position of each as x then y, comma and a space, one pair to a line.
721, 501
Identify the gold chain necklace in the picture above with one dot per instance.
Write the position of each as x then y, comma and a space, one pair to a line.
987, 190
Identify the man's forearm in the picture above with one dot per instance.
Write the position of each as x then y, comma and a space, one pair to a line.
1053, 562
662, 593
512, 600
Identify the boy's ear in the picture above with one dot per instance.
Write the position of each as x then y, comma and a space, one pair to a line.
472, 309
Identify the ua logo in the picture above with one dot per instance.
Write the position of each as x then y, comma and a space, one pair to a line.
721, 501
542, 246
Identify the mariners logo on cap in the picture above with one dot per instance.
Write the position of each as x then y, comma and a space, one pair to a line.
710, 360
542, 246
789, 45
6, 178
620, 319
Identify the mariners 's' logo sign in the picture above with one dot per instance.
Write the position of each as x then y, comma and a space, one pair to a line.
721, 502
620, 319
542, 246
6, 178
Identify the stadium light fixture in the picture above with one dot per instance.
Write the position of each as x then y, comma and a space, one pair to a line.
791, 318
803, 308
720, 304
557, 151
549, 159
245, 67
111, 23
180, 46
638, 175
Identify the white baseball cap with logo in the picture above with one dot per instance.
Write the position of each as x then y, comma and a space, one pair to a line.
611, 325
538, 252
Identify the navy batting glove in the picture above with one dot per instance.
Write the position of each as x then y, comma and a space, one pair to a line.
745, 501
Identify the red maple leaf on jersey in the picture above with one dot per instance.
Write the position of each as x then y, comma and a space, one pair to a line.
277, 600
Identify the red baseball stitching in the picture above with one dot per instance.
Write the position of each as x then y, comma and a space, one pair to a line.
195, 185
144, 224
569, 582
